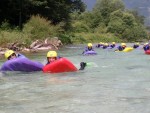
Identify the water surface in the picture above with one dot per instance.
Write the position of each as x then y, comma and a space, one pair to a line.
114, 82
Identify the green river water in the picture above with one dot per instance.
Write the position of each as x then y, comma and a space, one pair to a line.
114, 82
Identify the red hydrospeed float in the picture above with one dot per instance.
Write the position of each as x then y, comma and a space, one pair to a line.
59, 66
147, 52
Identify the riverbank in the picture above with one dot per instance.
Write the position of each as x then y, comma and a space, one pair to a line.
36, 46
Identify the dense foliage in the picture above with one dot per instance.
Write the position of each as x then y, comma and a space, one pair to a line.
67, 19
17, 12
110, 16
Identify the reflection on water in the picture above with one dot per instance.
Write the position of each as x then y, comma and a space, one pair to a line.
114, 82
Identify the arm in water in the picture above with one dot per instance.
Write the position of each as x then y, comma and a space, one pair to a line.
82, 65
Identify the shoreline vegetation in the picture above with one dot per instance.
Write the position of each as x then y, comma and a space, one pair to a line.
108, 22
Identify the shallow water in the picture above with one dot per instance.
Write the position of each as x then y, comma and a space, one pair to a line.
114, 82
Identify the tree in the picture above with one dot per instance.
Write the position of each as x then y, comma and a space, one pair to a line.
19, 11
124, 25
135, 33
128, 19
139, 18
106, 7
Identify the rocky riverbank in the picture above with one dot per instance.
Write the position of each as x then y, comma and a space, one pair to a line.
36, 46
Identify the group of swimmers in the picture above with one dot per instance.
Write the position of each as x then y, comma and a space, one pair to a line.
121, 47
51, 57
105, 45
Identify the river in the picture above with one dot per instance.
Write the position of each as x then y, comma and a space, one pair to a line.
114, 82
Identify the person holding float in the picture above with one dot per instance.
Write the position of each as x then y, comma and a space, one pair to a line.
105, 45
146, 46
113, 45
56, 64
99, 45
10, 54
121, 47
18, 62
51, 57
89, 50
136, 45
89, 47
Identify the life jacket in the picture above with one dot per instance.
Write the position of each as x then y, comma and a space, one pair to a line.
113, 45
104, 47
20, 55
146, 47
135, 46
121, 48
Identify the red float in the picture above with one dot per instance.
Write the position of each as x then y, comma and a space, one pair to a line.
59, 66
147, 52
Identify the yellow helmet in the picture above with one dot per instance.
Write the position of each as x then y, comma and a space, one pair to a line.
137, 43
52, 54
89, 44
113, 43
123, 44
8, 53
106, 44
145, 43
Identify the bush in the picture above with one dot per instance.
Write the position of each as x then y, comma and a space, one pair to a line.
66, 39
38, 28
5, 25
136, 33
80, 26
94, 38
12, 36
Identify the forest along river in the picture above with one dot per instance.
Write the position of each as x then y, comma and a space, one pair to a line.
114, 82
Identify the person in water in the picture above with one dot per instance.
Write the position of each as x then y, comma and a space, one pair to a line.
52, 56
105, 45
88, 48
99, 45
146, 46
10, 54
113, 45
121, 47
136, 45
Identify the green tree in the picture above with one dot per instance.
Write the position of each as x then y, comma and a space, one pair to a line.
136, 33
139, 18
19, 11
116, 24
128, 19
38, 27
106, 7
